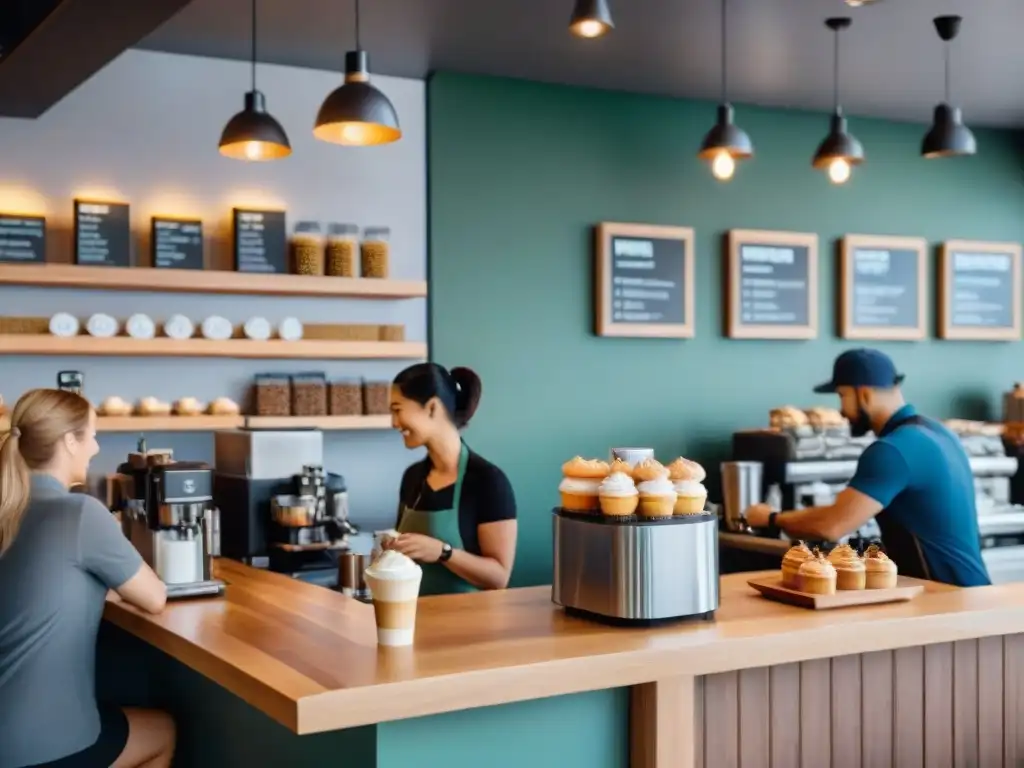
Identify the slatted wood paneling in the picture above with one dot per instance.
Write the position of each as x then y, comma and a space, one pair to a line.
949, 705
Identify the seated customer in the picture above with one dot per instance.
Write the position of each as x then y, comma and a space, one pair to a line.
59, 554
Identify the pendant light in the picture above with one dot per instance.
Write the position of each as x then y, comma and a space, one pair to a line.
948, 136
356, 113
840, 150
726, 142
253, 134
591, 18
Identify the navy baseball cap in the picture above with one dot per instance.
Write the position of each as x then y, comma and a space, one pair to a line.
862, 368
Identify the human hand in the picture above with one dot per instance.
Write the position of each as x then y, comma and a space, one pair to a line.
757, 515
424, 549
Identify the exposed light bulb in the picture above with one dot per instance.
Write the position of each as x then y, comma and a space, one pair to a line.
723, 166
838, 171
253, 150
589, 28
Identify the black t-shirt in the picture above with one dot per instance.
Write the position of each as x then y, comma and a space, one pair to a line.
487, 496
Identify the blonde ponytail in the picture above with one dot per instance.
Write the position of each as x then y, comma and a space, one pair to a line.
39, 421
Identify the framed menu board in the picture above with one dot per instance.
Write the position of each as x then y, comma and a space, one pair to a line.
643, 281
883, 288
979, 291
177, 243
771, 285
260, 241
103, 236
22, 239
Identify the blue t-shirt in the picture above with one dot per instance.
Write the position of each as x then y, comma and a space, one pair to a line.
920, 474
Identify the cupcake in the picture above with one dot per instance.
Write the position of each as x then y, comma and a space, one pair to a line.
649, 469
850, 573
817, 576
618, 495
657, 497
797, 555
620, 465
579, 487
880, 570
687, 481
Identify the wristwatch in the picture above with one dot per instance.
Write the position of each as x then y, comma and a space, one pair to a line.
772, 526
446, 552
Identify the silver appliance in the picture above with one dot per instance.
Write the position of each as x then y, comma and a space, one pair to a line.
636, 570
741, 488
169, 518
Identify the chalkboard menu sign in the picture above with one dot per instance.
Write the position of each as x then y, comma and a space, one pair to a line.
103, 235
177, 243
22, 239
643, 281
260, 241
772, 285
883, 288
980, 291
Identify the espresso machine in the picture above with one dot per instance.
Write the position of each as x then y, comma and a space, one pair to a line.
169, 518
634, 570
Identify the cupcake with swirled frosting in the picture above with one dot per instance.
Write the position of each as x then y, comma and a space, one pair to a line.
881, 572
649, 469
850, 571
580, 483
817, 576
688, 481
657, 497
618, 495
797, 555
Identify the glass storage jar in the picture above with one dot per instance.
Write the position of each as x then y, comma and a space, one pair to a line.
272, 395
309, 394
342, 244
307, 249
376, 398
346, 397
374, 252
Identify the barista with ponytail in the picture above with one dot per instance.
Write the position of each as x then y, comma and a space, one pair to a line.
457, 512
60, 553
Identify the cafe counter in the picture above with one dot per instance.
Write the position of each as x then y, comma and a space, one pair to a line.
280, 672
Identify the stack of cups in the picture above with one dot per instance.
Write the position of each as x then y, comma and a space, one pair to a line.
394, 581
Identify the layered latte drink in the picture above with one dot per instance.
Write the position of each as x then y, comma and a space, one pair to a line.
394, 581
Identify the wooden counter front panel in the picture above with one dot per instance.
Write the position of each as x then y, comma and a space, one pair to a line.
936, 706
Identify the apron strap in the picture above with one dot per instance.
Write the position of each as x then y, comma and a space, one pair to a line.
463, 463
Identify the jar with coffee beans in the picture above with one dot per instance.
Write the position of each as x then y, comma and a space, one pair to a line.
309, 394
346, 397
307, 249
272, 395
376, 398
342, 246
374, 252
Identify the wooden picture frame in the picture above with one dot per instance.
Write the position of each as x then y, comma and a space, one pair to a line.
847, 328
946, 328
735, 326
604, 321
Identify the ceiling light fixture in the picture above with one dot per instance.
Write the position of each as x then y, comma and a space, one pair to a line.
356, 113
948, 136
253, 134
726, 142
591, 18
840, 150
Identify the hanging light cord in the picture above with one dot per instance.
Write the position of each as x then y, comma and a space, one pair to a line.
835, 74
725, 57
948, 45
253, 44
359, 47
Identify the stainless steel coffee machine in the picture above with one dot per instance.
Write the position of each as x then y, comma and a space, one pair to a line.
168, 516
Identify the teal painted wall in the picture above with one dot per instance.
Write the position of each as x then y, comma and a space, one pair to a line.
520, 171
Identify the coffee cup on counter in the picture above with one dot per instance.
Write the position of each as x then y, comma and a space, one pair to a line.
394, 582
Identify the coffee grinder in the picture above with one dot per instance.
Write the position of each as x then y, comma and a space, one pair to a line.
169, 518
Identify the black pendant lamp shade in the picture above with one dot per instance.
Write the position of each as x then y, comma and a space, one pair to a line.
356, 114
253, 134
948, 136
840, 150
726, 142
591, 18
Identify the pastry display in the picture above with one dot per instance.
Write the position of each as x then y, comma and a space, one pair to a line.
224, 406
687, 480
787, 417
188, 406
825, 418
115, 406
150, 406
650, 469
817, 576
657, 497
850, 569
880, 571
797, 555
617, 495
580, 483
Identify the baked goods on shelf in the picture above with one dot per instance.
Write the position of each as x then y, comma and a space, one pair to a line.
850, 571
650, 469
580, 467
115, 406
580, 483
688, 482
223, 406
620, 465
787, 417
817, 576
617, 495
657, 497
797, 555
968, 427
188, 406
881, 572
151, 406
825, 418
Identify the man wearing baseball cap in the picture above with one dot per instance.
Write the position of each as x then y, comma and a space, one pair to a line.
915, 480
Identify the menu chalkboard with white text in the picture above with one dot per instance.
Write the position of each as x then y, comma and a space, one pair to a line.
177, 243
882, 288
772, 285
103, 234
644, 281
22, 239
260, 243
980, 291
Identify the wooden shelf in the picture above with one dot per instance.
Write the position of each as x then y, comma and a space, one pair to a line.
207, 281
211, 423
125, 346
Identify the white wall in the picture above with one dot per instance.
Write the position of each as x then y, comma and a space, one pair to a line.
145, 130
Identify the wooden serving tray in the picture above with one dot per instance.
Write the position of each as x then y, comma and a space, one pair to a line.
771, 588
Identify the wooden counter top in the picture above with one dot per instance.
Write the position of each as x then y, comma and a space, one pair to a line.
308, 657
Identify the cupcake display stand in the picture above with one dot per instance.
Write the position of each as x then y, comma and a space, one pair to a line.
906, 588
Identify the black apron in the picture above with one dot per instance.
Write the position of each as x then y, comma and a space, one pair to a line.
901, 545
